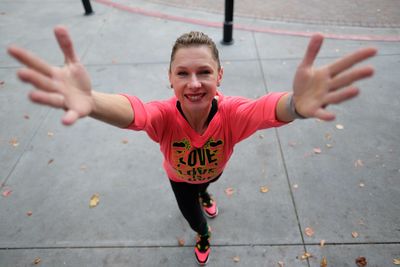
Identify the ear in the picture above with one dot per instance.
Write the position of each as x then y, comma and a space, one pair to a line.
220, 75
169, 78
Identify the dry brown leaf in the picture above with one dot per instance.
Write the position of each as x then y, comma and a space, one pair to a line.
264, 189
50, 161
354, 234
1, 81
280, 263
361, 262
94, 200
339, 126
328, 136
50, 134
324, 262
37, 261
317, 150
29, 213
229, 191
396, 261
14, 142
322, 243
305, 256
181, 242
358, 163
236, 259
309, 231
26, 117
6, 192
124, 141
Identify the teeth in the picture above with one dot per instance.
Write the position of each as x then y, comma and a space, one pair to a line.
194, 97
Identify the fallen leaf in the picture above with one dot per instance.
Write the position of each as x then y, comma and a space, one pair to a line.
6, 192
94, 200
37, 261
295, 186
50, 134
339, 126
358, 163
396, 261
362, 184
261, 136
236, 259
229, 191
324, 262
305, 256
29, 213
322, 243
83, 167
329, 145
328, 136
264, 189
50, 161
317, 150
309, 231
1, 81
361, 261
181, 242
124, 141
354, 234
14, 142
280, 263
26, 117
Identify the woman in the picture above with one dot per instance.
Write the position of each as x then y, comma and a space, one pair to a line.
198, 127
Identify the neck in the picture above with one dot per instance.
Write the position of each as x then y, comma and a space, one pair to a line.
197, 119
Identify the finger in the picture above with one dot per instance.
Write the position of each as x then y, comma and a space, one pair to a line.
312, 50
349, 77
65, 43
341, 95
50, 99
348, 61
70, 117
30, 60
324, 115
37, 79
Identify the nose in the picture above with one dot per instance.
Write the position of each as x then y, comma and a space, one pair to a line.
194, 82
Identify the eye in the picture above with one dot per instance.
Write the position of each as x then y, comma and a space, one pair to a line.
205, 72
182, 73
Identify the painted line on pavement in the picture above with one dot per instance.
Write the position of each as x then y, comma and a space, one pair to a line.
160, 15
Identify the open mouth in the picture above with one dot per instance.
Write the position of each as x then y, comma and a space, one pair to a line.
195, 97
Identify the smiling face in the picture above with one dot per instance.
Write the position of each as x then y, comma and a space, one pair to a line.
195, 75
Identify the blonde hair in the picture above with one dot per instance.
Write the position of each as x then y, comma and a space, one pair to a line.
193, 39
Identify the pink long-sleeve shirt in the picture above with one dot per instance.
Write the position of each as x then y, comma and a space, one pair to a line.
194, 158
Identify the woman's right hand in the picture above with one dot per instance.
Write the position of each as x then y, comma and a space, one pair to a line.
66, 87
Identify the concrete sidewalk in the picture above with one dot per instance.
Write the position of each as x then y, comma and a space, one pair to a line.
341, 179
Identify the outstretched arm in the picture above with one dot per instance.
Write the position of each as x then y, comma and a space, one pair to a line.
69, 87
315, 88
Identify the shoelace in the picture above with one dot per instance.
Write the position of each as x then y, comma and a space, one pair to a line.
203, 244
206, 199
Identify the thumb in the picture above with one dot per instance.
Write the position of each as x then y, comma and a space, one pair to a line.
70, 117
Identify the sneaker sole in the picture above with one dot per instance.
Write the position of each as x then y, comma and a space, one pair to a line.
212, 216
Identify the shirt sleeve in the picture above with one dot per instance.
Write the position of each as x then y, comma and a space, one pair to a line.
151, 117
249, 115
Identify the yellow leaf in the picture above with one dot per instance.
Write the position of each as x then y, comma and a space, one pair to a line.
324, 262
14, 142
94, 200
396, 261
305, 256
264, 189
322, 243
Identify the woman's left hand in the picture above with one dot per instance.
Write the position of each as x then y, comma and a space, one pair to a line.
315, 88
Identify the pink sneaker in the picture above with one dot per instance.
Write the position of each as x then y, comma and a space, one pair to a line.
202, 249
209, 205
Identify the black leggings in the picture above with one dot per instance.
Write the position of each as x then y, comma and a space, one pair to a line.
187, 196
